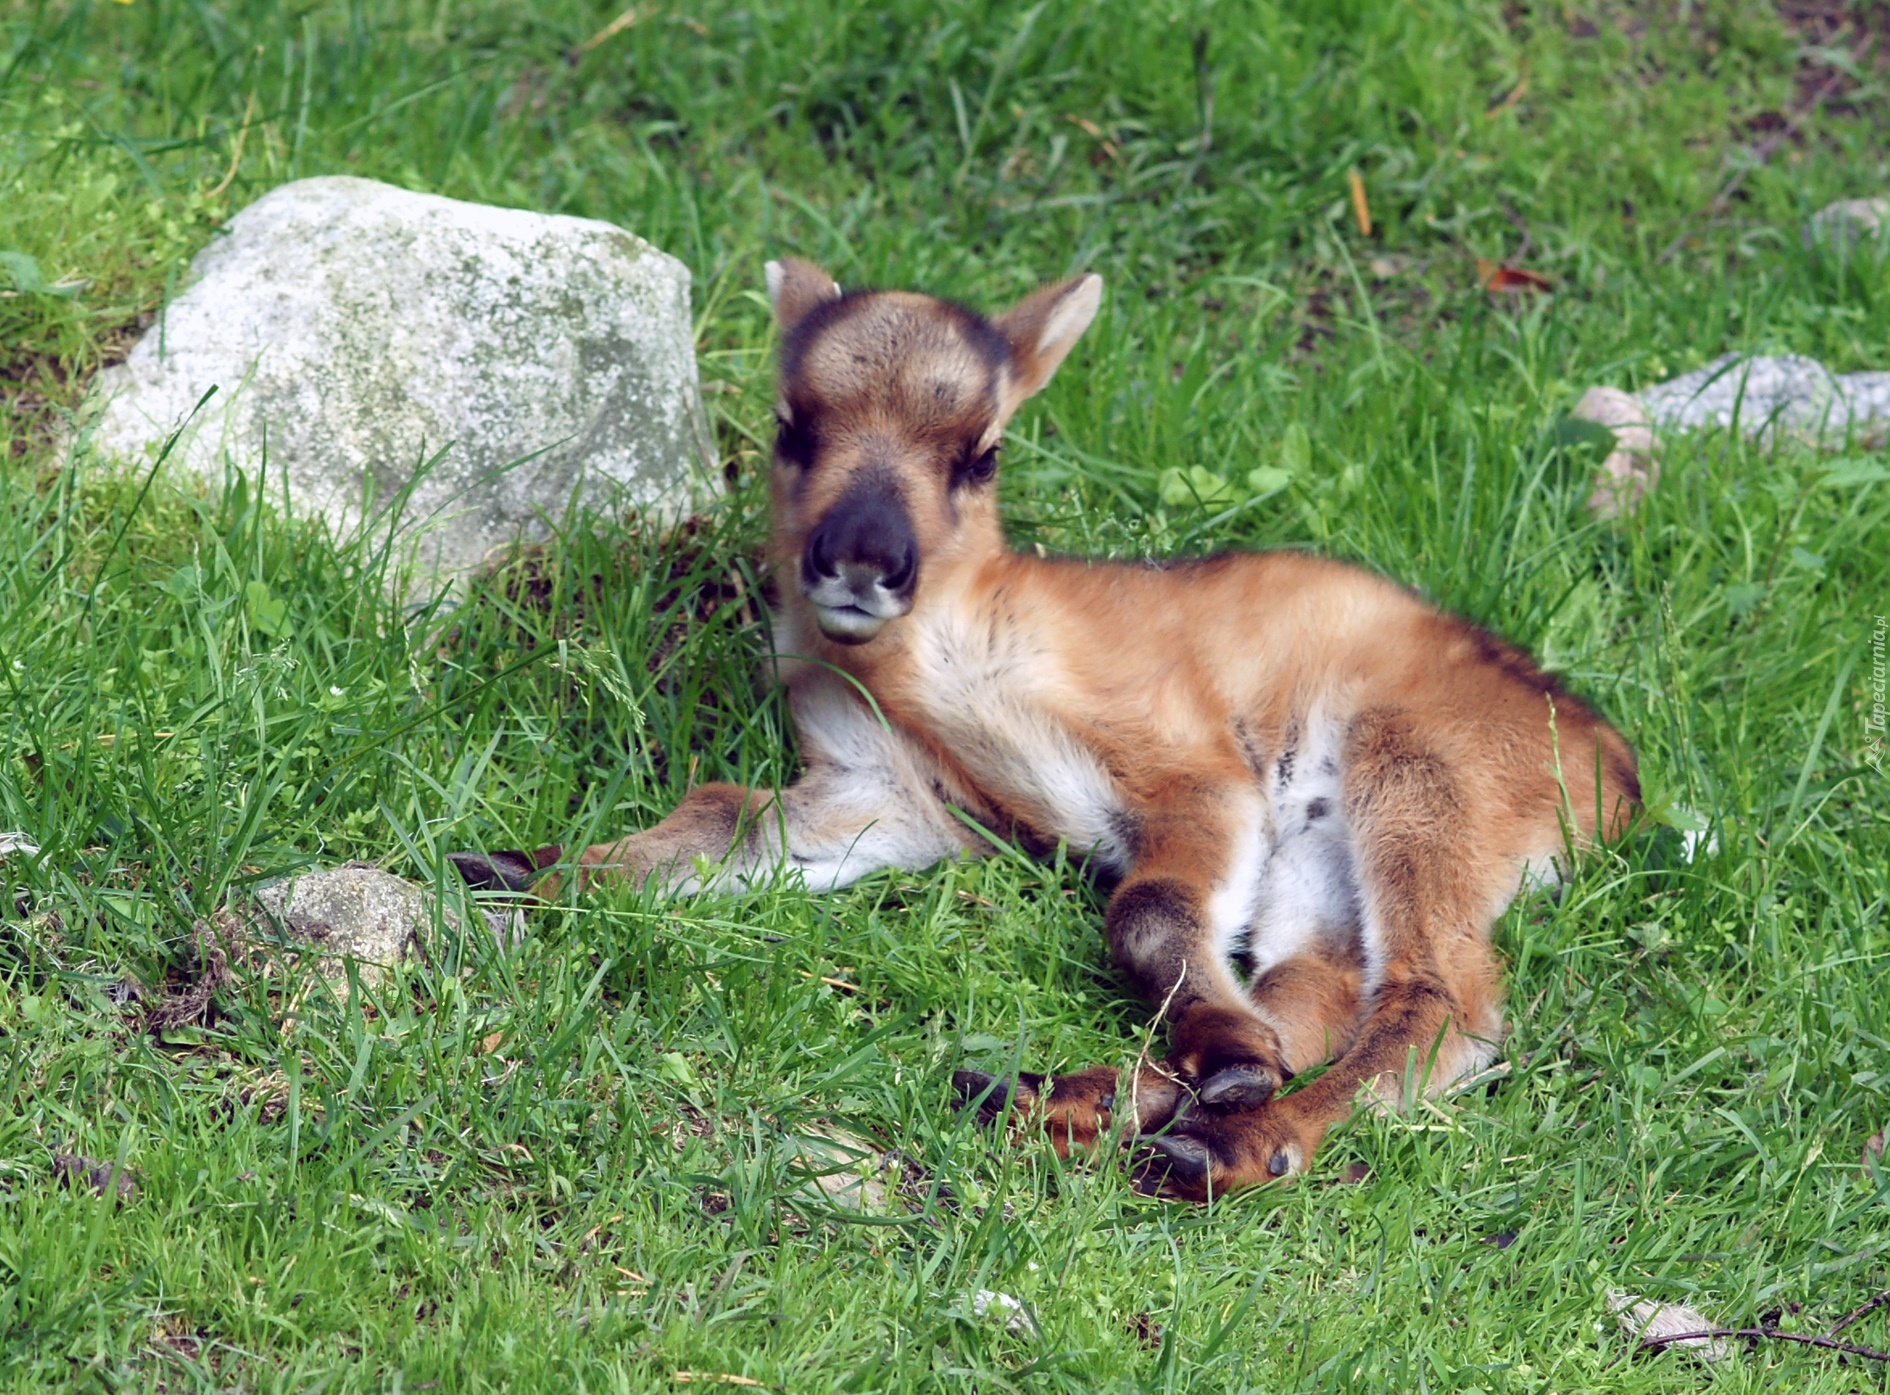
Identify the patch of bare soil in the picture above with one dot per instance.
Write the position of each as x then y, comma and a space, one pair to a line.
188, 997
1843, 43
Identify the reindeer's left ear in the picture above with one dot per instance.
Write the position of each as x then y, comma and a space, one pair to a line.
795, 287
1041, 331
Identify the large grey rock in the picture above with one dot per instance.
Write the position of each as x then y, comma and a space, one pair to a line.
353, 329
1762, 396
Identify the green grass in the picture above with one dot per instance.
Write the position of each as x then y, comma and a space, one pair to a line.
448, 1184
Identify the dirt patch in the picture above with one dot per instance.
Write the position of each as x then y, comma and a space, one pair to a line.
100, 1178
189, 994
1826, 28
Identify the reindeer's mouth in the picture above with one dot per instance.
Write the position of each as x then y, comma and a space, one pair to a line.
853, 607
848, 624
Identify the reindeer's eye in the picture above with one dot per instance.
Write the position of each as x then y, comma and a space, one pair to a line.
795, 443
977, 468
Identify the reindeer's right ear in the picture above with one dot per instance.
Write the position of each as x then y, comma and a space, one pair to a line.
795, 287
1041, 330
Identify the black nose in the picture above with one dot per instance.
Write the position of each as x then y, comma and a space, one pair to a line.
865, 537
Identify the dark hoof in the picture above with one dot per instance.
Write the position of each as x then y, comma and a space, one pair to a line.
991, 1095
1239, 1085
507, 870
1174, 1163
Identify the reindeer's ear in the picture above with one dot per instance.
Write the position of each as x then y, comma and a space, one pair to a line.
1042, 329
795, 287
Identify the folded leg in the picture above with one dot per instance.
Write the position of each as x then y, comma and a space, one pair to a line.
1433, 875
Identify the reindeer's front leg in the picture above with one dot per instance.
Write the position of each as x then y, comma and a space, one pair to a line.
869, 800
838, 823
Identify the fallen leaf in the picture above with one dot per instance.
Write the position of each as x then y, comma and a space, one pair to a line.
491, 1043
1652, 1324
1589, 441
1355, 1173
1873, 1154
17, 842
1499, 279
1361, 207
715, 1378
987, 1301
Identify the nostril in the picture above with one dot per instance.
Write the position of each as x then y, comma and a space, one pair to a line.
864, 544
820, 561
900, 568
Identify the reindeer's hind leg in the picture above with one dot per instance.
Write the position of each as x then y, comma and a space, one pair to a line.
1313, 1002
1434, 870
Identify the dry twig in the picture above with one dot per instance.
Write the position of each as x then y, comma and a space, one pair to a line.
1802, 1338
1861, 1310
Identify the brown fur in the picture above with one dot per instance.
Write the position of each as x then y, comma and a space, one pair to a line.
1271, 746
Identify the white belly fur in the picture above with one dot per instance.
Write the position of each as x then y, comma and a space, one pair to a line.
1307, 889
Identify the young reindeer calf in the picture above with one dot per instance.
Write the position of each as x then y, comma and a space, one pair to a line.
1274, 758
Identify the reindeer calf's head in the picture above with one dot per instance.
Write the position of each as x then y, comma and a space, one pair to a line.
891, 410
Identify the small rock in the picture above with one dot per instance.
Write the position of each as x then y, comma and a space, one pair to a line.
1849, 222
354, 329
1763, 396
359, 912
1766, 395
1630, 469
843, 1169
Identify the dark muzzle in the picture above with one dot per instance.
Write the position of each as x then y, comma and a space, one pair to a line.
861, 563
